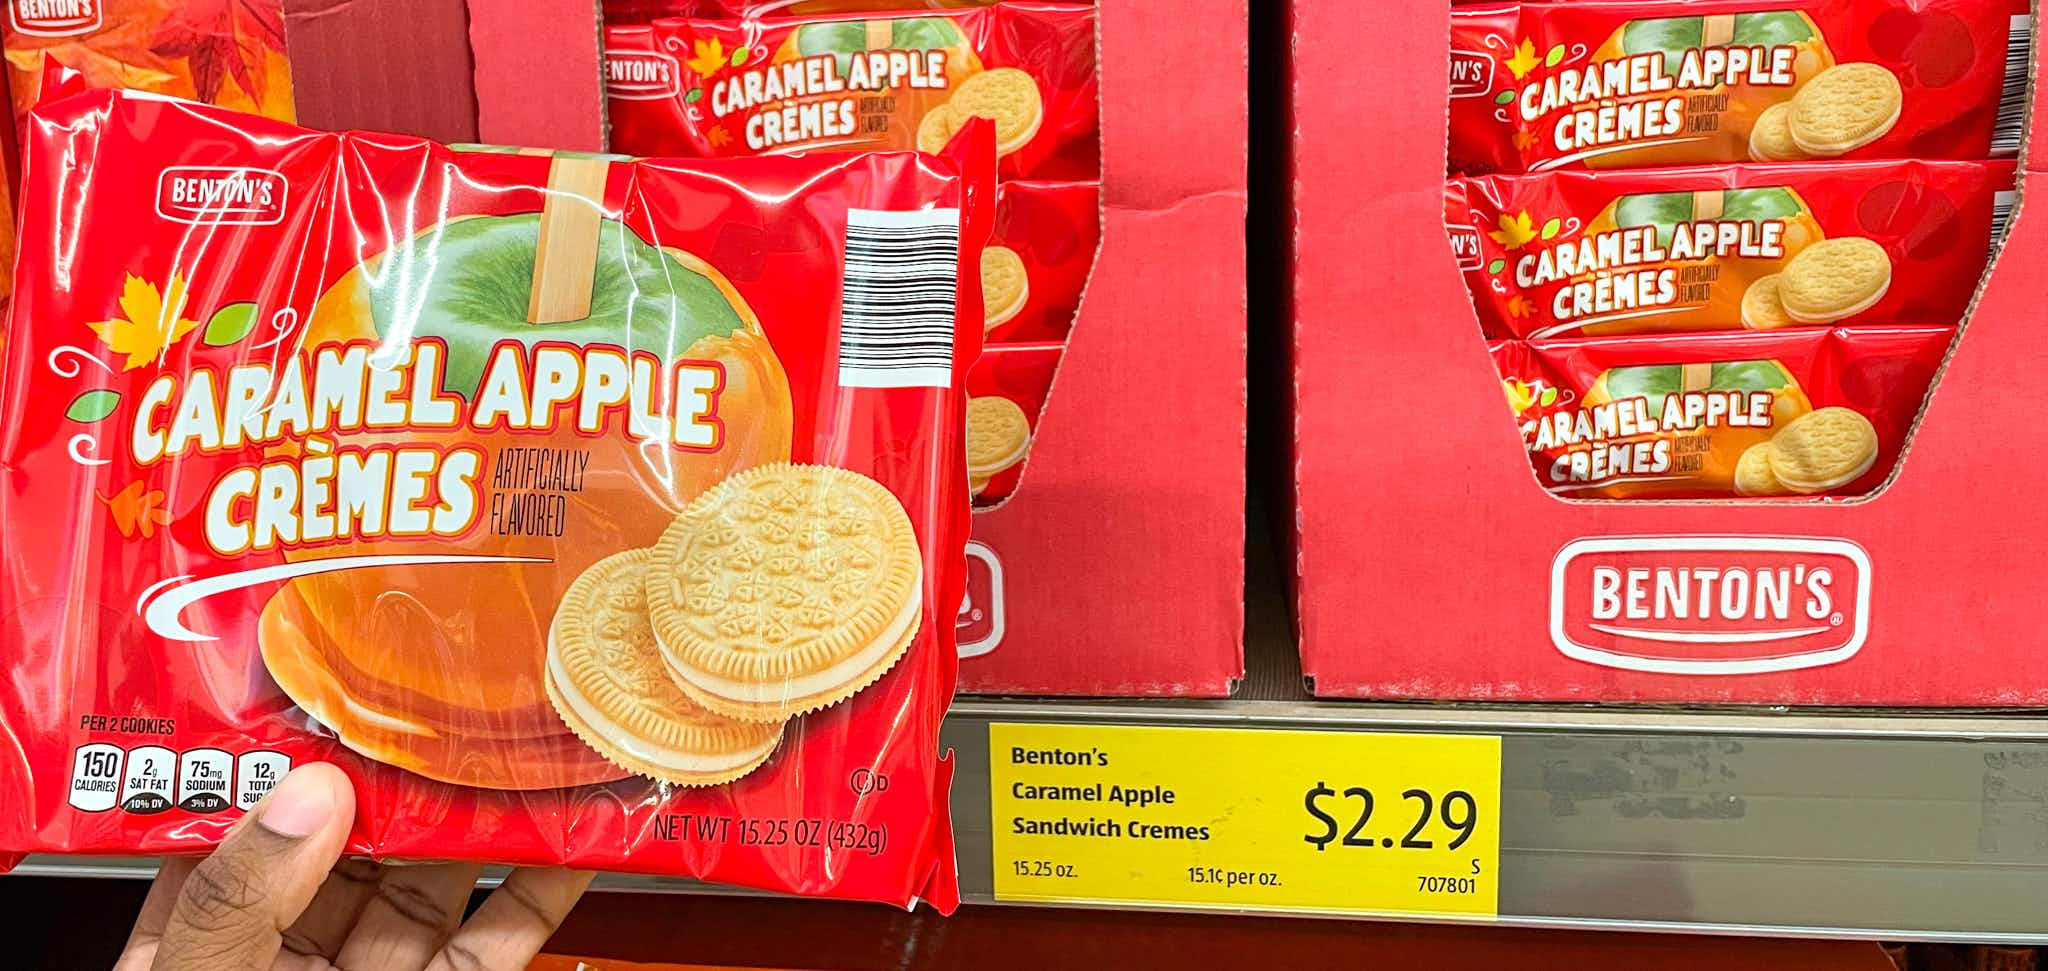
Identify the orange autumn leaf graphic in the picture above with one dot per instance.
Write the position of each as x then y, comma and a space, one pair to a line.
1524, 139
1515, 230
225, 52
150, 321
1525, 59
220, 39
711, 56
1520, 306
718, 137
137, 509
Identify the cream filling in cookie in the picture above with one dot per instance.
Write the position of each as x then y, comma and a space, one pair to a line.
1841, 313
998, 316
1823, 485
1009, 458
844, 672
638, 748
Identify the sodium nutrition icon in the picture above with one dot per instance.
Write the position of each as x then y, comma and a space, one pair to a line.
204, 780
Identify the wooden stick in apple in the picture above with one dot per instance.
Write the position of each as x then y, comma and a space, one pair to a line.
565, 261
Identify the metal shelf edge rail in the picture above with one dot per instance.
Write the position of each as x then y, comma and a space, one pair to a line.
1877, 825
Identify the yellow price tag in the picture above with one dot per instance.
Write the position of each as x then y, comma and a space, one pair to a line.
1336, 822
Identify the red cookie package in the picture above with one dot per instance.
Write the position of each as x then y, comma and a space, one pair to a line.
776, 83
1727, 247
585, 511
1793, 414
1538, 86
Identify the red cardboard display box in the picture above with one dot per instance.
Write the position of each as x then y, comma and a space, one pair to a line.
1430, 564
1108, 554
1117, 565
369, 64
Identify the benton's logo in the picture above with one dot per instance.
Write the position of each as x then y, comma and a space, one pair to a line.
216, 195
1471, 74
1465, 243
1710, 604
640, 76
979, 628
54, 18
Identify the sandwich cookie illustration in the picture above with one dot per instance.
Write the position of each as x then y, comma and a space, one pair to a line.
1762, 307
785, 589
998, 436
1824, 449
608, 682
1834, 279
1005, 286
1844, 108
1753, 475
1007, 96
1771, 138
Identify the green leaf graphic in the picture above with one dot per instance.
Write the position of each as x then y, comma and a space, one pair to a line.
739, 56
693, 96
93, 405
1672, 35
1664, 210
924, 34
1555, 55
1505, 97
1550, 228
230, 324
1496, 266
1757, 205
1772, 28
1750, 376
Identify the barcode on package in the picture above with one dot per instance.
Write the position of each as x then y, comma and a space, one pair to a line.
2012, 99
896, 316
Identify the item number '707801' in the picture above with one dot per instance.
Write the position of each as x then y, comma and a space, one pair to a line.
1710, 605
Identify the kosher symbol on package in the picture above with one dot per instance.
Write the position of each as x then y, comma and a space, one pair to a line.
778, 83
1539, 86
524, 487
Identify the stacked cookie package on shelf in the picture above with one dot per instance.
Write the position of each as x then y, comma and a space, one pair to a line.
1720, 248
766, 77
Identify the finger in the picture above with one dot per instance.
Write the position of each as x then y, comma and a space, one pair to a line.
140, 950
415, 910
515, 921
324, 927
233, 905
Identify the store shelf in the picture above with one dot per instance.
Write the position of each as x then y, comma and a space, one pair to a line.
1865, 825
1928, 827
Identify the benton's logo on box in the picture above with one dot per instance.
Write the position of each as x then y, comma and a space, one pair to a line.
1710, 604
1465, 243
54, 18
640, 76
979, 628
1471, 74
218, 195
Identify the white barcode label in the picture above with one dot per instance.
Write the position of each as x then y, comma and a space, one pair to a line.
2001, 216
896, 313
2012, 99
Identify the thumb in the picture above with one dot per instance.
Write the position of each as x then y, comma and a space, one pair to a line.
233, 908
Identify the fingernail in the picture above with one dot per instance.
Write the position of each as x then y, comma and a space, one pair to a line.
301, 805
